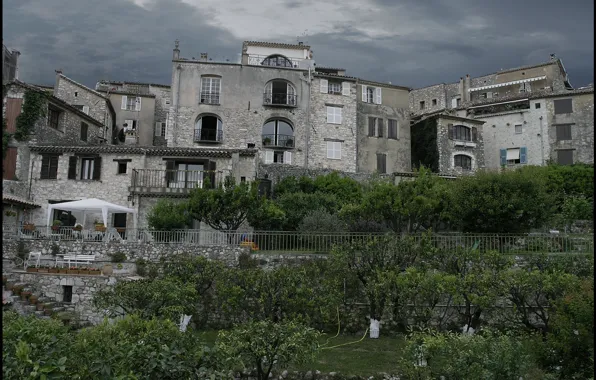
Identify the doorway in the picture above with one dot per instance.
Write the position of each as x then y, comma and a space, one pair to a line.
119, 224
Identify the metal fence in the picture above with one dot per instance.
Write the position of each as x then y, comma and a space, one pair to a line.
315, 242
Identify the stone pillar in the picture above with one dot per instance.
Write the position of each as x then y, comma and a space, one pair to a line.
466, 88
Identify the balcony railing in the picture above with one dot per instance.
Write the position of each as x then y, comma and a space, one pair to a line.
280, 99
150, 181
290, 63
279, 141
209, 98
208, 135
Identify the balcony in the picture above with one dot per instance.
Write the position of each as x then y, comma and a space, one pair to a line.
280, 99
278, 141
208, 136
152, 181
286, 63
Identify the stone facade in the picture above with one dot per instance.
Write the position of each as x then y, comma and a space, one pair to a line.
450, 146
324, 133
374, 142
10, 66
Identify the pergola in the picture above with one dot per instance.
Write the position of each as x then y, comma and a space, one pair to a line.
91, 206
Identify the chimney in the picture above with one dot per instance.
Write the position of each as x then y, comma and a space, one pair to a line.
176, 54
300, 43
57, 85
553, 57
203, 56
461, 89
467, 86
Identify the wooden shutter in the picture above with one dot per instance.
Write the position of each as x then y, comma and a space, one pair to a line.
288, 158
45, 167
380, 127
523, 155
378, 95
97, 168
138, 103
124, 100
364, 94
53, 170
474, 134
13, 109
157, 131
84, 130
324, 86
345, 88
72, 167
450, 131
503, 156
454, 103
371, 126
338, 109
212, 169
381, 163
269, 156
9, 164
170, 170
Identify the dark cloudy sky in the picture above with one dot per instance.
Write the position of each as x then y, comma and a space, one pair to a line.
408, 42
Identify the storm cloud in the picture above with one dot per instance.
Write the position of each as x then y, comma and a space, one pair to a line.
409, 42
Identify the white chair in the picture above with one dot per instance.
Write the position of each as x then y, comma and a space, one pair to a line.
35, 256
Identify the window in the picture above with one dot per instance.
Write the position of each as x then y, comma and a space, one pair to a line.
132, 103
334, 88
563, 132
458, 101
76, 94
518, 129
422, 105
381, 163
333, 115
537, 105
565, 157
392, 129
53, 118
372, 126
130, 125
380, 127
66, 293
87, 168
462, 161
208, 128
277, 61
334, 150
513, 156
122, 166
161, 129
455, 102
278, 157
189, 175
84, 130
461, 132
210, 90
49, 167
563, 106
242, 179
280, 92
372, 95
434, 102
525, 87
278, 133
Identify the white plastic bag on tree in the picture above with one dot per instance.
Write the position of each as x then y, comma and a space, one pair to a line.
184, 320
374, 329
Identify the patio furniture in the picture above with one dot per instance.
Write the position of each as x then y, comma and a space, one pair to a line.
76, 259
35, 256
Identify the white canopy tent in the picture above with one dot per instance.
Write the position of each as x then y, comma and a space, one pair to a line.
91, 206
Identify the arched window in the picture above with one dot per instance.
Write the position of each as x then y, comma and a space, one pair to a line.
277, 61
462, 161
279, 92
278, 133
461, 132
208, 128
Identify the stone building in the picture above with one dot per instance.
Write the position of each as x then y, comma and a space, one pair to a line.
10, 67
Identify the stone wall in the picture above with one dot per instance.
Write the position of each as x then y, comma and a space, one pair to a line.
163, 100
77, 94
449, 148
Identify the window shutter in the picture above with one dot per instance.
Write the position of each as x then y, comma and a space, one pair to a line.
503, 156
330, 115
340, 115
324, 86
378, 95
167, 125
138, 104
474, 134
72, 167
345, 88
523, 155
128, 124
450, 131
268, 156
454, 103
84, 131
397, 129
288, 158
364, 94
489, 95
124, 100
53, 172
371, 126
170, 170
380, 127
86, 109
97, 168
158, 129
45, 167
212, 172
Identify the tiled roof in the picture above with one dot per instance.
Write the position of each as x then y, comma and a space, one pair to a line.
276, 45
578, 91
109, 82
150, 151
140, 94
15, 199
364, 81
62, 76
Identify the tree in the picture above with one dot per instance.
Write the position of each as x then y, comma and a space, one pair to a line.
264, 345
513, 201
226, 207
296, 206
168, 215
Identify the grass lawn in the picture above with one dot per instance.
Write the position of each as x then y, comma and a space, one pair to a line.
365, 358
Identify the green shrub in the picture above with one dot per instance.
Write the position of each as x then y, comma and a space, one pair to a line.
118, 257
141, 267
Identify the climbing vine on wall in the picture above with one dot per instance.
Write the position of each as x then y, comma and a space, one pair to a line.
34, 107
5, 138
424, 145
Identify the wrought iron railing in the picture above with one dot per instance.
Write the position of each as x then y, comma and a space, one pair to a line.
286, 141
280, 99
174, 179
290, 63
315, 242
209, 98
208, 135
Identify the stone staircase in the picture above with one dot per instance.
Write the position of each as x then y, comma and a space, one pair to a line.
44, 307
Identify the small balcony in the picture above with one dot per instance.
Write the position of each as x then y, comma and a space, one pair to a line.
153, 181
280, 99
278, 141
214, 136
